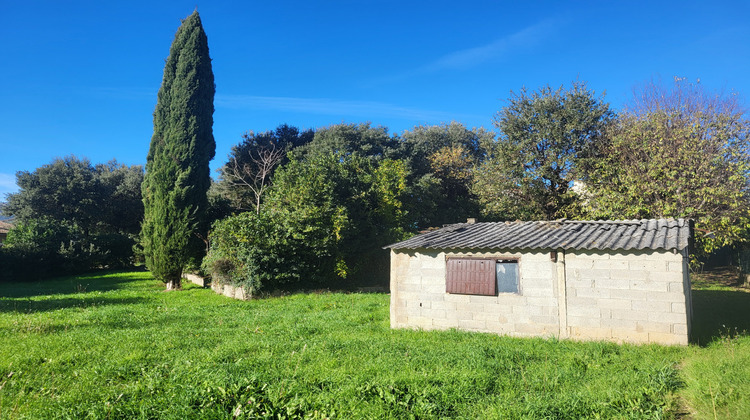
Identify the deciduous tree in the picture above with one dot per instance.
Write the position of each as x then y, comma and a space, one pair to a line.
544, 136
177, 172
678, 151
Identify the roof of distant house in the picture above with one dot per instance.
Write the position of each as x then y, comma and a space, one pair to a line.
652, 234
5, 226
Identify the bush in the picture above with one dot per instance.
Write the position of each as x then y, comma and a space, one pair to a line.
43, 247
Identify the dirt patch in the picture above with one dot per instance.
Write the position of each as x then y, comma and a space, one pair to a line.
727, 276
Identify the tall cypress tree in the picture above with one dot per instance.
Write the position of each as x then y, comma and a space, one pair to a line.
177, 172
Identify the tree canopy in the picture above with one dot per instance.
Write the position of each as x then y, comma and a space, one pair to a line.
677, 151
544, 137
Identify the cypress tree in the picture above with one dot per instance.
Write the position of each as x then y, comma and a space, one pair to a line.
177, 173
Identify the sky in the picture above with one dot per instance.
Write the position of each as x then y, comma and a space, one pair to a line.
80, 77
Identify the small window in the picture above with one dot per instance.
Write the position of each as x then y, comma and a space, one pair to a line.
506, 274
481, 276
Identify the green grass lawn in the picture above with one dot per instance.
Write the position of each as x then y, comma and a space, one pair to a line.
117, 346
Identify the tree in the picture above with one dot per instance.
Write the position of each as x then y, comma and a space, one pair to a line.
247, 174
350, 139
677, 151
177, 173
544, 138
441, 160
322, 223
74, 216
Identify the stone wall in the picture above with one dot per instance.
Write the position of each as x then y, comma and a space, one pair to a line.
638, 297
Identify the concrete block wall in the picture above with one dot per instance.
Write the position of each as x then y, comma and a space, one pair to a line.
635, 297
419, 300
639, 296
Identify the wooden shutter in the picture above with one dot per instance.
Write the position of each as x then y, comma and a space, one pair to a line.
471, 276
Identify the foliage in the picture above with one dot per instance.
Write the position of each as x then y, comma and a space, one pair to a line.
324, 220
679, 152
349, 139
247, 174
72, 217
95, 198
441, 159
544, 136
177, 173
325, 355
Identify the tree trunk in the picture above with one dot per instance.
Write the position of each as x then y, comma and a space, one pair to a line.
174, 284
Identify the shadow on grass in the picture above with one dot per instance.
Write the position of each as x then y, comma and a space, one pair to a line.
29, 306
719, 313
93, 282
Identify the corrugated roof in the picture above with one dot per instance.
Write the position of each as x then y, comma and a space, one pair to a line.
562, 234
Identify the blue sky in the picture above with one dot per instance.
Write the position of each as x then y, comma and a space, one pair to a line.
80, 77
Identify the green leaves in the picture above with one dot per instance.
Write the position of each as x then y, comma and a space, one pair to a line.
177, 172
681, 153
545, 137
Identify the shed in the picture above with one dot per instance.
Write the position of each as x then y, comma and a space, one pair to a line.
616, 280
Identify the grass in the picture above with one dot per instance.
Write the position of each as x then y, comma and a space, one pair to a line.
116, 346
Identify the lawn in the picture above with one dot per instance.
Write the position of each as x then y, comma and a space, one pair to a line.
117, 346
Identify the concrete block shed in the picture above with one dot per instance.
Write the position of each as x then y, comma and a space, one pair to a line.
622, 281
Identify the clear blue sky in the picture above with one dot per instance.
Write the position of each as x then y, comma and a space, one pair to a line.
80, 77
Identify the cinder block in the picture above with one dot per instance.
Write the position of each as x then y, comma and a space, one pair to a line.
573, 263
539, 292
651, 306
628, 294
584, 311
580, 301
677, 287
472, 324
630, 314
614, 303
484, 316
545, 320
434, 313
622, 284
442, 304
541, 301
675, 266
620, 324
611, 264
668, 339
584, 321
420, 322
590, 333
679, 307
498, 309
581, 274
629, 274
456, 298
667, 317
444, 324
649, 327
630, 336
649, 285
469, 307
500, 327
483, 300
648, 265
588, 292
459, 315
580, 283
680, 329
666, 296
